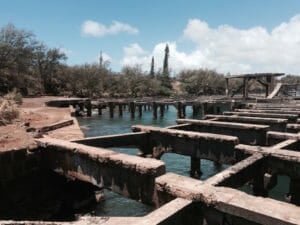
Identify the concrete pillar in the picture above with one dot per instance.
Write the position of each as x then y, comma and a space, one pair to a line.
204, 108
245, 90
167, 107
269, 85
99, 110
258, 185
145, 107
154, 106
183, 111
140, 107
128, 106
227, 87
179, 110
295, 191
81, 106
120, 110
195, 167
111, 109
194, 110
88, 107
162, 110
132, 109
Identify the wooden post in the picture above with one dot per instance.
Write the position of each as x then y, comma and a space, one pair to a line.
88, 107
195, 167
132, 109
183, 110
111, 109
245, 92
145, 107
269, 85
162, 110
227, 87
140, 110
258, 185
120, 110
99, 110
196, 109
154, 106
179, 110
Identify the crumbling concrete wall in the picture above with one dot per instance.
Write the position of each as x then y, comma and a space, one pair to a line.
131, 176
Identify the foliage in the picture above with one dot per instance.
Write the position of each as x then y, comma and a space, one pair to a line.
8, 107
202, 82
291, 79
27, 64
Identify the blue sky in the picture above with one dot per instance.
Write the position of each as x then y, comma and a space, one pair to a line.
59, 23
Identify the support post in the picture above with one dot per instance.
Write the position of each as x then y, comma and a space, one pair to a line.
269, 85
140, 107
179, 110
154, 106
183, 111
227, 87
162, 110
258, 185
245, 92
111, 109
99, 110
132, 109
195, 167
294, 191
89, 107
120, 110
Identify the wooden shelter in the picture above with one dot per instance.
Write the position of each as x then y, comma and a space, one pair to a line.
267, 80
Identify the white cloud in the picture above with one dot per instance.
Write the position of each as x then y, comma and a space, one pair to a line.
134, 50
95, 29
229, 49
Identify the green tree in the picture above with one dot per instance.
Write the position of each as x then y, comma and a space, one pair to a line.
16, 55
152, 73
165, 76
48, 63
202, 82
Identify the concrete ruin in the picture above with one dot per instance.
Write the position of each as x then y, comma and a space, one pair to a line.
260, 142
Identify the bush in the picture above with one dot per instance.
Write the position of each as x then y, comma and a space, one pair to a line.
14, 96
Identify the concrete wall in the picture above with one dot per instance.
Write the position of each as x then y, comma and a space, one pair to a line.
131, 176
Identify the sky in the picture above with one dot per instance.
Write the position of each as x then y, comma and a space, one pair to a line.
229, 36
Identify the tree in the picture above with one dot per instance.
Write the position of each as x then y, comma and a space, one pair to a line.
48, 62
166, 62
152, 73
16, 55
202, 82
165, 77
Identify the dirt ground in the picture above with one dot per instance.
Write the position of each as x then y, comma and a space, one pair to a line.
34, 112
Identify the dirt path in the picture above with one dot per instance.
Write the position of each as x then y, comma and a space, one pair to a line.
34, 111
